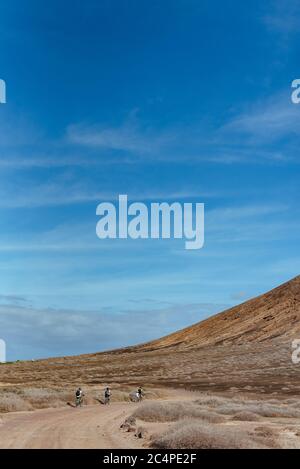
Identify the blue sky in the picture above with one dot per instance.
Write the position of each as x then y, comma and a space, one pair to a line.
175, 100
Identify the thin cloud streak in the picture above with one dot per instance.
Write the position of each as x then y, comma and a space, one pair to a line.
60, 331
283, 17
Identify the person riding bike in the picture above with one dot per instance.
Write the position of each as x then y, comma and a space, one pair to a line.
140, 394
79, 397
107, 395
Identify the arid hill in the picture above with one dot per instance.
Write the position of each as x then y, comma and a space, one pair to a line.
274, 314
245, 349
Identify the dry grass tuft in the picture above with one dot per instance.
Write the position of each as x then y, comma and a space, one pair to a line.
14, 399
141, 432
10, 402
172, 411
264, 431
201, 435
44, 398
232, 407
267, 435
211, 401
246, 416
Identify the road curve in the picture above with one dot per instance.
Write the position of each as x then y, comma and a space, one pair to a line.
93, 426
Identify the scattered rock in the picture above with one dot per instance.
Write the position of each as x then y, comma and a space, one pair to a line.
263, 431
131, 429
131, 420
129, 425
141, 432
269, 317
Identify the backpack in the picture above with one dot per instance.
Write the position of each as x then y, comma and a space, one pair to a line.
78, 393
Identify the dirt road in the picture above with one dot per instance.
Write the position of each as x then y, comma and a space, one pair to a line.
98, 426
94, 426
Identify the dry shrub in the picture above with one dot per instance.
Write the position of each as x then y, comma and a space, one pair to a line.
245, 416
272, 411
275, 401
120, 396
130, 420
154, 394
208, 416
199, 435
15, 399
172, 411
264, 431
295, 403
211, 401
141, 432
266, 435
44, 398
31, 398
11, 402
263, 409
129, 424
231, 409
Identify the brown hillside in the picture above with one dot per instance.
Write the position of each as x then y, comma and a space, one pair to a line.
273, 314
247, 348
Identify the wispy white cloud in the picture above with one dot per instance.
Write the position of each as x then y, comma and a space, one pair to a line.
257, 223
130, 136
245, 137
70, 189
283, 16
228, 224
49, 194
63, 331
232, 213
266, 122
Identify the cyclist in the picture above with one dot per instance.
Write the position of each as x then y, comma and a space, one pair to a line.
79, 397
107, 395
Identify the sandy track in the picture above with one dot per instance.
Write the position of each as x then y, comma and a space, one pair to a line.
92, 426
